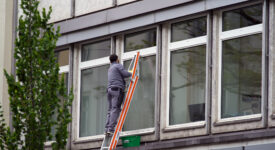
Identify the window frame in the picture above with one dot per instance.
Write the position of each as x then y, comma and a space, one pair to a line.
238, 123
234, 34
179, 45
88, 65
190, 129
144, 52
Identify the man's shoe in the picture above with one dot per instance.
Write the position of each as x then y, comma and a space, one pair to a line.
110, 132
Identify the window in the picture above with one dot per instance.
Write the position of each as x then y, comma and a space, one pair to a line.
242, 17
93, 106
94, 66
143, 102
96, 50
62, 58
140, 40
241, 74
188, 29
241, 59
187, 85
187, 55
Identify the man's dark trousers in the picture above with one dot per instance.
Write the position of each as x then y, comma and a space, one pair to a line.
115, 99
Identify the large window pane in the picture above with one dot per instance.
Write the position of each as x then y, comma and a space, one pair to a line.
93, 106
62, 57
188, 29
241, 76
187, 85
53, 129
139, 40
96, 50
143, 102
243, 17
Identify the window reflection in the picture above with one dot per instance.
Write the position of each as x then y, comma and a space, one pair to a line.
140, 40
93, 102
242, 17
96, 50
143, 102
62, 57
53, 129
241, 76
187, 85
188, 29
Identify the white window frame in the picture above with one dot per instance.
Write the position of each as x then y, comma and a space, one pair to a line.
145, 52
179, 45
88, 65
234, 34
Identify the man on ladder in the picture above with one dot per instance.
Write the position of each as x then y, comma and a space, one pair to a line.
116, 87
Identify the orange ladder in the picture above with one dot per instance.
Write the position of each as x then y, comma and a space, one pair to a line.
110, 142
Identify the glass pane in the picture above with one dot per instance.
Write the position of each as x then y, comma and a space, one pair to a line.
53, 130
136, 41
188, 29
66, 79
62, 57
241, 76
96, 50
243, 17
143, 102
93, 102
187, 85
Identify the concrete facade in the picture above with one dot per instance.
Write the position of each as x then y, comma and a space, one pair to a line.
6, 34
84, 22
62, 10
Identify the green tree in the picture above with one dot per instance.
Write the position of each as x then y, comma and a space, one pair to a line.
36, 92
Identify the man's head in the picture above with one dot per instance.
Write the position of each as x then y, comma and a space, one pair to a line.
113, 58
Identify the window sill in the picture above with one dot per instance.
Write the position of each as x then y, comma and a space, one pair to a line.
123, 134
187, 126
88, 139
138, 132
237, 120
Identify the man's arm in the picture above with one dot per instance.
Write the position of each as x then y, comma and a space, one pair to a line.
123, 71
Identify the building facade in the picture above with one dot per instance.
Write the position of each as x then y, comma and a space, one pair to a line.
207, 70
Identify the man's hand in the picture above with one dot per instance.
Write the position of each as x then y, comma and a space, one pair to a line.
131, 71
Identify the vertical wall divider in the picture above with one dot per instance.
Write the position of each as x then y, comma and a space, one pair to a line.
70, 86
209, 71
158, 82
73, 8
265, 43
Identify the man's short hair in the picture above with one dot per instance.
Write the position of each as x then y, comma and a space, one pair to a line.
113, 58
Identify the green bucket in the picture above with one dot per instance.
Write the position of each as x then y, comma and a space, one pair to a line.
130, 141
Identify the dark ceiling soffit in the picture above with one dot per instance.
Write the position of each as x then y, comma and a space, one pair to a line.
117, 13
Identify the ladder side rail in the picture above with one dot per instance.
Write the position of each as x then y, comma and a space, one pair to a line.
128, 106
122, 113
